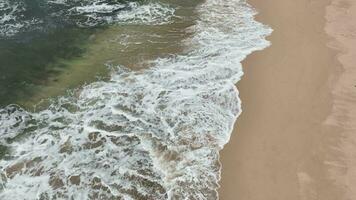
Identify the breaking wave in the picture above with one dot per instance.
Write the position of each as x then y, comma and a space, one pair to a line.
152, 134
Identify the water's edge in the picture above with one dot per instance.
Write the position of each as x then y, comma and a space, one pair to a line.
153, 134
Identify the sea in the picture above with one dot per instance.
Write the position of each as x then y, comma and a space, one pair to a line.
119, 99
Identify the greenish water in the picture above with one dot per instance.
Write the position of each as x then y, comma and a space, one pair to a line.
58, 56
32, 60
144, 134
38, 65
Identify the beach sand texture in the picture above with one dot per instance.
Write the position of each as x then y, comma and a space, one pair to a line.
295, 139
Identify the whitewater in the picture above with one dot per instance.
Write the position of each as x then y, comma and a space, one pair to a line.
149, 134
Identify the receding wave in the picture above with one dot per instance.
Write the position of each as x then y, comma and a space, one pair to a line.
152, 134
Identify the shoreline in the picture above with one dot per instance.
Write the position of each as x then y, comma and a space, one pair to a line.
288, 141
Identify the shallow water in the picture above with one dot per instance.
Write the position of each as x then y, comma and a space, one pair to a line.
46, 62
154, 128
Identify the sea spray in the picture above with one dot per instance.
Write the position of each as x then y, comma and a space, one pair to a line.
152, 134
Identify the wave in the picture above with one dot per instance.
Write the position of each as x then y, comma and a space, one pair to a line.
151, 134
21, 15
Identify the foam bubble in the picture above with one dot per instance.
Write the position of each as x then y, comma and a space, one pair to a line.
132, 13
15, 16
153, 134
11, 19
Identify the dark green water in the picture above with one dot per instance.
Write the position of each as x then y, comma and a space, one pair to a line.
61, 50
30, 55
37, 37
33, 58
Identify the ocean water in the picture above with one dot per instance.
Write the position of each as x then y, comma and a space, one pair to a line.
77, 43
153, 133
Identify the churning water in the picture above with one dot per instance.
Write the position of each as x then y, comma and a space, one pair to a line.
149, 134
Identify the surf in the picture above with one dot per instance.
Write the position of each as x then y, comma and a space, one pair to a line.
155, 133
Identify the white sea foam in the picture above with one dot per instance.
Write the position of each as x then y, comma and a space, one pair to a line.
132, 13
153, 134
98, 8
10, 18
83, 13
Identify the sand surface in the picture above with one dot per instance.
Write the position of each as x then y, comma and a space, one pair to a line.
296, 138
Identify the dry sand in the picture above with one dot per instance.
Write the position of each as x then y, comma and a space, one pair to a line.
296, 138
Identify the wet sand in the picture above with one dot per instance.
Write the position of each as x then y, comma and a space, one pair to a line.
294, 139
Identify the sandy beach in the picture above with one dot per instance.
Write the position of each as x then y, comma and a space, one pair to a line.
111, 99
294, 138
